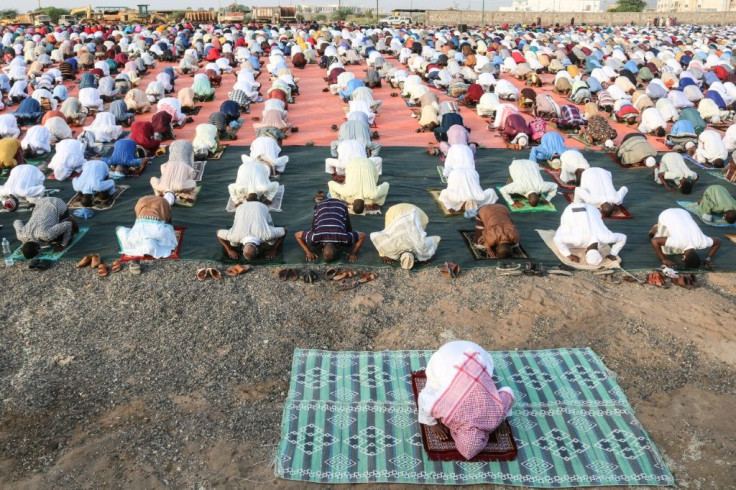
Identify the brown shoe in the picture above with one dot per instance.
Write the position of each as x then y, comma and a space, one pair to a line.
95, 261
85, 262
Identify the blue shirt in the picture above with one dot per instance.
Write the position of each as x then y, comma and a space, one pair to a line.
330, 224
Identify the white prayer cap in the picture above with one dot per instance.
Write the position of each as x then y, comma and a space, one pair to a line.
608, 144
170, 198
593, 257
407, 260
523, 139
555, 163
651, 162
689, 145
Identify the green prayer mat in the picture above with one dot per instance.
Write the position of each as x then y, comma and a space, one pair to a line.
718, 174
694, 208
543, 206
350, 417
48, 253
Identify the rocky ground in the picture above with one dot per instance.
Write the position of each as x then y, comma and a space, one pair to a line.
159, 380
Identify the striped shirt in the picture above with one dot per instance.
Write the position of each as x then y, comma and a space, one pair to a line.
331, 224
47, 224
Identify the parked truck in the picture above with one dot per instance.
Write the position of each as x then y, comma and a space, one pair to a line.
201, 15
274, 15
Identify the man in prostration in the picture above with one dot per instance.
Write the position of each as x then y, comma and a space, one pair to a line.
710, 149
581, 226
253, 178
526, 180
596, 188
572, 166
495, 232
672, 168
635, 149
361, 184
460, 400
677, 233
404, 237
152, 234
94, 182
24, 182
50, 224
331, 228
253, 232
717, 200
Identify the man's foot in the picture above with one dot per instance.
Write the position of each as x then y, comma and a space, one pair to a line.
440, 431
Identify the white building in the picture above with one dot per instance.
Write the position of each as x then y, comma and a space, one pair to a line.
557, 6
695, 5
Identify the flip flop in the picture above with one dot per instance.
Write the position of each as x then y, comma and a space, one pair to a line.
366, 277
292, 275
201, 274
95, 261
309, 276
559, 272
509, 266
346, 284
102, 270
214, 273
236, 270
284, 274
331, 273
135, 267
117, 266
85, 262
344, 275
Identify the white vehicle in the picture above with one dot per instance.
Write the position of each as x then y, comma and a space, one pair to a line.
67, 20
42, 20
396, 20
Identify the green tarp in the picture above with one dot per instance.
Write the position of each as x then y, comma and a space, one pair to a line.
410, 172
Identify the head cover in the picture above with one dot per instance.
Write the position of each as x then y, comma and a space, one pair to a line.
523, 139
407, 260
555, 163
170, 198
593, 257
608, 144
689, 145
10, 203
651, 162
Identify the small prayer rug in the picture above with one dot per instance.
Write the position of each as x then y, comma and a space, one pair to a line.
617, 161
98, 205
188, 204
731, 237
274, 207
694, 208
543, 206
480, 253
555, 174
198, 167
218, 154
435, 193
48, 253
620, 213
178, 231
350, 417
548, 238
500, 447
138, 171
37, 160
718, 174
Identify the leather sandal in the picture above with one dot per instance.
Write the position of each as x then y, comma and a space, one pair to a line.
201, 274
95, 260
102, 270
214, 273
85, 262
343, 275
117, 266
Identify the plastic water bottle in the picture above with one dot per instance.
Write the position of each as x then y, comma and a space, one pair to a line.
7, 254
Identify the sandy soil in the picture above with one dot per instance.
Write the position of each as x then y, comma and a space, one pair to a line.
158, 380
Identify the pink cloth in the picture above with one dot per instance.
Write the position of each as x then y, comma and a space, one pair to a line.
471, 407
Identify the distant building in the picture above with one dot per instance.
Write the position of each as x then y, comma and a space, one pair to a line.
696, 5
327, 9
557, 6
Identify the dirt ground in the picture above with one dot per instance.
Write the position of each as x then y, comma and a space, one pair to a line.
159, 380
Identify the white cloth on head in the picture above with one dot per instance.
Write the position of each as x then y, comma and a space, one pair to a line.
596, 188
90, 97
405, 232
526, 178
24, 182
267, 149
581, 225
681, 231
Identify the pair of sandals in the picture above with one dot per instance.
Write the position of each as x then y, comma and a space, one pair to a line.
289, 274
95, 262
349, 279
203, 273
450, 270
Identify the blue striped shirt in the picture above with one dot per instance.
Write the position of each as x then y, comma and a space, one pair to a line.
330, 224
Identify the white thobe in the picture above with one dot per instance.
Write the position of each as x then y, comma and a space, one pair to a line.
69, 157
268, 149
651, 119
463, 185
674, 168
570, 162
104, 127
253, 177
681, 231
38, 139
90, 97
252, 224
24, 182
405, 233
710, 147
596, 188
527, 179
9, 126
581, 225
458, 156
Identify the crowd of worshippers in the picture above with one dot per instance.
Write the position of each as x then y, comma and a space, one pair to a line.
620, 73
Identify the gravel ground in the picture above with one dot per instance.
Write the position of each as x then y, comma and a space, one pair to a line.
159, 380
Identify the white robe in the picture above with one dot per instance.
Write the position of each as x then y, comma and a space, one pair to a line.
104, 128
253, 177
527, 179
24, 182
69, 158
458, 156
596, 188
570, 162
90, 98
463, 186
710, 147
346, 151
651, 119
147, 237
580, 229
674, 168
405, 233
252, 224
38, 139
9, 126
681, 231
268, 149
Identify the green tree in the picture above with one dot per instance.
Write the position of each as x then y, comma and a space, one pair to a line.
320, 17
629, 6
341, 14
8, 14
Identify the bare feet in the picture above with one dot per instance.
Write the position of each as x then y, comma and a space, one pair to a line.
440, 431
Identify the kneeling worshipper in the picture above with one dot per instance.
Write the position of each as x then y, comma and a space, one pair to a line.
36, 142
635, 150
58, 129
94, 182
459, 156
11, 152
464, 192
206, 141
267, 150
715, 200
672, 167
331, 228
9, 126
253, 178
50, 224
152, 233
599, 131
495, 231
104, 127
526, 180
581, 226
69, 158
253, 230
123, 156
710, 149
356, 130
24, 182
361, 184
596, 188
549, 150
177, 174
346, 151
677, 233
572, 166
404, 237
460, 400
